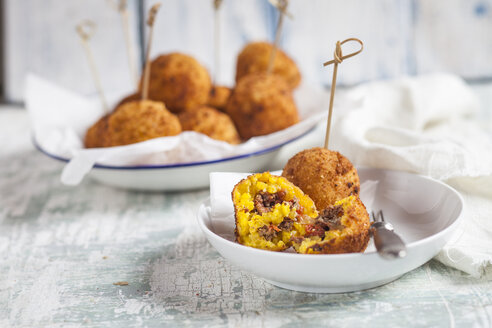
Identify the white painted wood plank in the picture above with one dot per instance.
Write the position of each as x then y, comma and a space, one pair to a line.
455, 36
383, 26
309, 38
40, 38
401, 37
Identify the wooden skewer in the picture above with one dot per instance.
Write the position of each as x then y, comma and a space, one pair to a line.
123, 10
338, 58
86, 30
281, 6
217, 4
150, 23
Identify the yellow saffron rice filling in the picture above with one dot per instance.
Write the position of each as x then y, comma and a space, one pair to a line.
271, 227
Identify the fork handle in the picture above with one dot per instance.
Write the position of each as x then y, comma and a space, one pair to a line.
388, 244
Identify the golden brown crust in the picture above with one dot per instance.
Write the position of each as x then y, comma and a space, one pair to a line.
261, 104
179, 81
211, 122
139, 121
254, 58
218, 97
97, 134
325, 175
236, 233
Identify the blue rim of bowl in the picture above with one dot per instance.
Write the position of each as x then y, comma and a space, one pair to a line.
178, 165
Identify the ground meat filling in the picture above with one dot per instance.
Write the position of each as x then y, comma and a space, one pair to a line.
295, 203
265, 201
329, 219
286, 224
267, 232
271, 231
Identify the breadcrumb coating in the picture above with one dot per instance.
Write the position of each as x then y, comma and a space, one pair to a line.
325, 175
255, 57
139, 121
262, 104
218, 97
211, 122
179, 81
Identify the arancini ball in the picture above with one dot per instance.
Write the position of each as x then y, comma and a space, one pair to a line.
179, 81
326, 176
211, 122
261, 104
97, 134
218, 97
139, 121
255, 57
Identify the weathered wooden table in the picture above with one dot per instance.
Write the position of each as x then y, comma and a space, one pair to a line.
94, 256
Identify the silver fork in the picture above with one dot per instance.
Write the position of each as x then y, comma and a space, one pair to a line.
388, 243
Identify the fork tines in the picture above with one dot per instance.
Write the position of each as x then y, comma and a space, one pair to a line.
379, 217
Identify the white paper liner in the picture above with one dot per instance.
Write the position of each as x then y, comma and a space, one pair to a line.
60, 119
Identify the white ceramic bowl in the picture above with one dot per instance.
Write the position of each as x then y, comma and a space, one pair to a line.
425, 212
182, 176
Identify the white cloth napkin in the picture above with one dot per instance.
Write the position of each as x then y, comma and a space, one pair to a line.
426, 125
60, 119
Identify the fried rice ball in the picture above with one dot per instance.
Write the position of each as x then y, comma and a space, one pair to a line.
179, 81
139, 121
340, 228
270, 211
218, 97
255, 57
261, 104
211, 122
97, 134
325, 175
273, 214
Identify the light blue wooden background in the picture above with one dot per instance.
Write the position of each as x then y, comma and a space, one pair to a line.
401, 37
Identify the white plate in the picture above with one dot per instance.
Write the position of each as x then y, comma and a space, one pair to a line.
183, 176
425, 212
